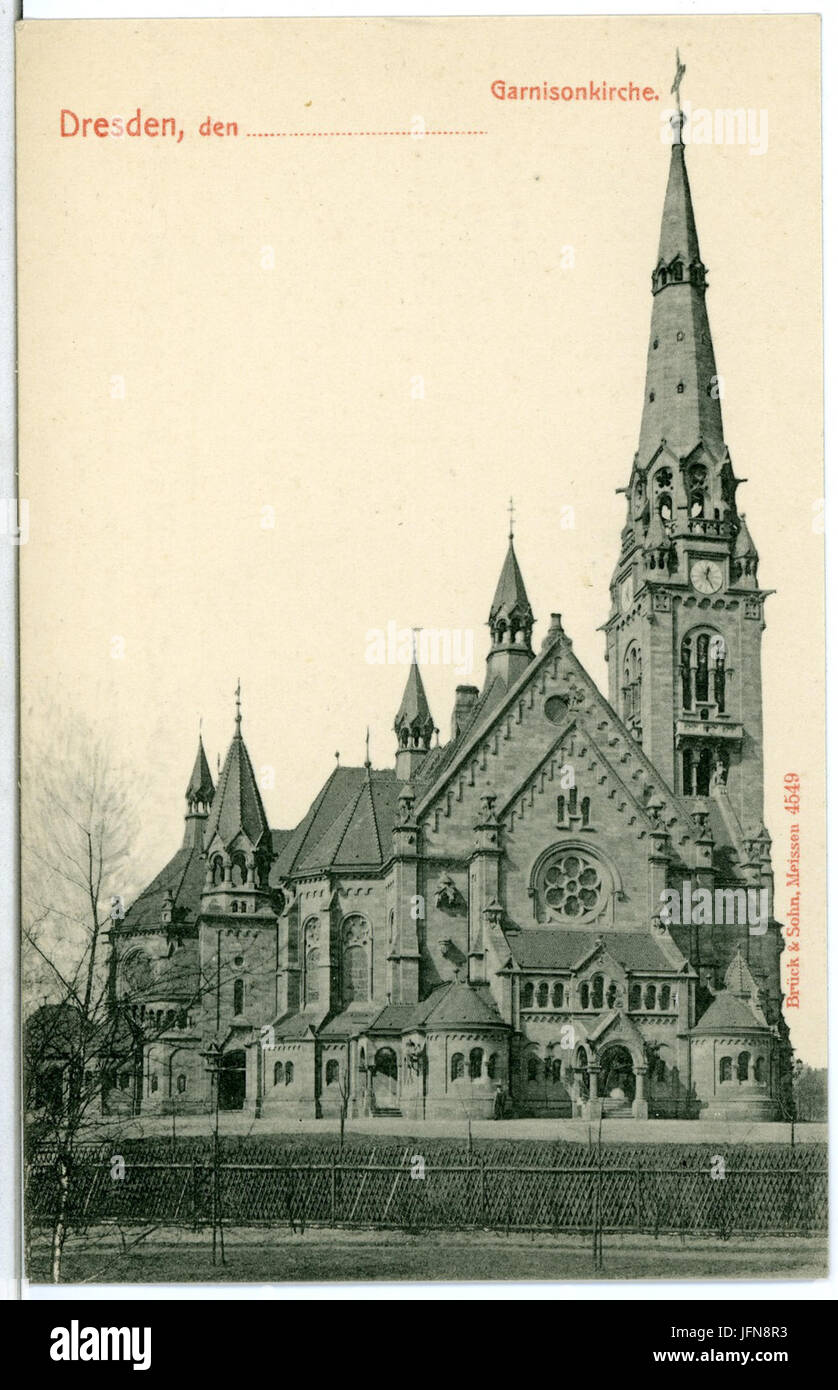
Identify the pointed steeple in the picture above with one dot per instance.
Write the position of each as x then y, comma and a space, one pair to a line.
237, 809
682, 487
201, 789
682, 403
414, 724
510, 621
199, 796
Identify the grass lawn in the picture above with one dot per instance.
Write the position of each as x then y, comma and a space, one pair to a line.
268, 1256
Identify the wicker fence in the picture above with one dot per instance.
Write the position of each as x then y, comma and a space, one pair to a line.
413, 1195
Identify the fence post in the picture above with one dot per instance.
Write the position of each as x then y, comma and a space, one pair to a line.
482, 1190
334, 1193
638, 1199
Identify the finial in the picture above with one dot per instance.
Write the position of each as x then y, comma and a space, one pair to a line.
367, 763
415, 655
511, 510
337, 759
678, 119
680, 69
200, 727
238, 704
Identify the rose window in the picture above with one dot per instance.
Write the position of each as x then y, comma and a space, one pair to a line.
572, 885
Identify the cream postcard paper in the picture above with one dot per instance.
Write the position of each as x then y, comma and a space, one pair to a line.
420, 431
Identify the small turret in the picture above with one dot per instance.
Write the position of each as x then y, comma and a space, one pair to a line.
414, 725
199, 798
510, 623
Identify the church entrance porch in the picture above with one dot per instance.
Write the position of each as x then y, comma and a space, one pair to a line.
385, 1082
232, 1085
617, 1084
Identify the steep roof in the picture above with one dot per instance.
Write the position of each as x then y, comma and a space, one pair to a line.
237, 807
183, 876
414, 710
727, 1014
349, 824
552, 948
511, 593
201, 786
680, 404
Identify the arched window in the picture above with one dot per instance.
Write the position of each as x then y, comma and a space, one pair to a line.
665, 507
492, 1067
597, 992
632, 682
635, 997
726, 1069
532, 1067
458, 1066
703, 674
181, 1083
743, 1062
312, 980
289, 1073
586, 810
650, 996
332, 1072
543, 995
760, 1071
475, 1063
217, 868
528, 995
277, 1073
153, 1082
235, 907
238, 996
557, 1070
663, 1000
611, 995
702, 669
238, 870
355, 959
584, 995
558, 995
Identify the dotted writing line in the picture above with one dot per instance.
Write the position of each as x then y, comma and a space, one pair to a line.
328, 134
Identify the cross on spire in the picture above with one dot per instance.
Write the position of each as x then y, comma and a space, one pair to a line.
238, 703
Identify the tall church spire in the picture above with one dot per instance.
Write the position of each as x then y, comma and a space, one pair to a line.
686, 615
414, 723
682, 403
510, 621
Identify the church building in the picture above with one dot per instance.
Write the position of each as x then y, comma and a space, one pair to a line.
550, 913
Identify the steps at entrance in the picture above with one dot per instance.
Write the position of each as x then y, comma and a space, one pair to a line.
616, 1109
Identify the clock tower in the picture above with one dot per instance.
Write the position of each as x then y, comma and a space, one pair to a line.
685, 628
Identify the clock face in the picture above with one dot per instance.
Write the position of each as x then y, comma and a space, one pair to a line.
706, 576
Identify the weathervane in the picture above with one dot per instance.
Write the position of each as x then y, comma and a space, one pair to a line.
511, 510
680, 69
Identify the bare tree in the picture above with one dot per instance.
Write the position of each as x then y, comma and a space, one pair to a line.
76, 833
